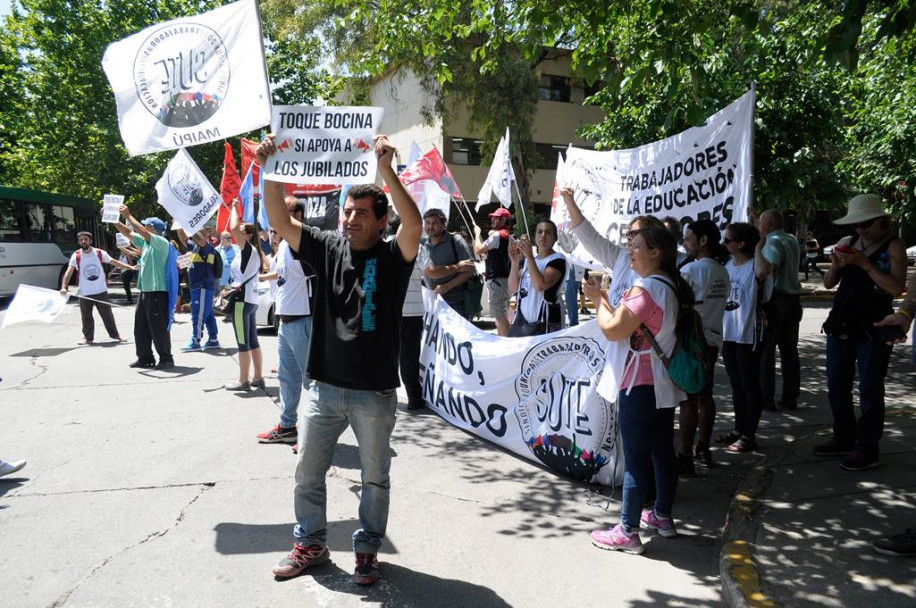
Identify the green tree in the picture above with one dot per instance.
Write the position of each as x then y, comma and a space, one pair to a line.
59, 122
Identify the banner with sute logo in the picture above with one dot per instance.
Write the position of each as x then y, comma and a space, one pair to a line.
533, 396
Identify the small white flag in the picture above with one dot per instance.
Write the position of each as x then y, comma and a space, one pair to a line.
34, 304
499, 179
186, 194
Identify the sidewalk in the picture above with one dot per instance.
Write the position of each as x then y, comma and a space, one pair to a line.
799, 530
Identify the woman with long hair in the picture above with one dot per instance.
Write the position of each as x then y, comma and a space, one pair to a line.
707, 276
536, 281
743, 327
244, 277
870, 269
658, 302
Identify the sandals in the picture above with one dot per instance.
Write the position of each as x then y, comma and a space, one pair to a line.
728, 438
744, 444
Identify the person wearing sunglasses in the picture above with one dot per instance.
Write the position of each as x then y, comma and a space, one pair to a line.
870, 270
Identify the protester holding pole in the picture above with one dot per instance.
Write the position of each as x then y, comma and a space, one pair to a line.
536, 281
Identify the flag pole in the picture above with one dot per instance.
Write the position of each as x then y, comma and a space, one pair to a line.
522, 207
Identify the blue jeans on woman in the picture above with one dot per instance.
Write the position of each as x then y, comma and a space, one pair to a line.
293, 351
647, 435
327, 411
572, 299
872, 358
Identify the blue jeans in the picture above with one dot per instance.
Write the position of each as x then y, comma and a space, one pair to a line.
202, 314
572, 300
872, 358
328, 410
647, 435
293, 349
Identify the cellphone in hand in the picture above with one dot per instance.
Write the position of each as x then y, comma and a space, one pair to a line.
889, 333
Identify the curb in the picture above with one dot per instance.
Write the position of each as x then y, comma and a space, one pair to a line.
740, 575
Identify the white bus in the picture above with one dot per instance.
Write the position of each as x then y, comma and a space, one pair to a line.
38, 234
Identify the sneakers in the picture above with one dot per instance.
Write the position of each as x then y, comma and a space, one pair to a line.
366, 572
8, 468
259, 383
300, 558
211, 344
617, 539
685, 466
192, 347
860, 461
703, 454
664, 525
142, 363
899, 545
167, 364
831, 448
279, 434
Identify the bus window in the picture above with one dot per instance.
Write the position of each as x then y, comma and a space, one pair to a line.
10, 222
64, 226
39, 219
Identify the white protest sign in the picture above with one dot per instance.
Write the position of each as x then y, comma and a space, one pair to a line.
34, 304
110, 205
121, 240
186, 194
533, 396
701, 173
191, 80
327, 145
184, 260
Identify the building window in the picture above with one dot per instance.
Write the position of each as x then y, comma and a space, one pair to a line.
548, 155
554, 88
466, 151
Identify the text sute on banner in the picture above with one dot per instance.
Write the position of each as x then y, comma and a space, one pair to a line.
324, 145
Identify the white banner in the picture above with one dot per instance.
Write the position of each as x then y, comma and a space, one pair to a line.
110, 206
121, 240
702, 173
34, 304
499, 179
190, 81
533, 396
186, 194
326, 145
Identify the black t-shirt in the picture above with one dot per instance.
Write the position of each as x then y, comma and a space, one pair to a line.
357, 315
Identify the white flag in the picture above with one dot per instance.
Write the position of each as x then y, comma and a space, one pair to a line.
190, 81
186, 194
34, 304
428, 195
499, 179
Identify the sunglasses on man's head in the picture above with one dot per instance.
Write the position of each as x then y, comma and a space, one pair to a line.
864, 225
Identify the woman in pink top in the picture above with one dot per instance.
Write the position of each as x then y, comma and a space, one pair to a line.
638, 379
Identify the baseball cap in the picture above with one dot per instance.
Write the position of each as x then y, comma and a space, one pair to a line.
156, 224
501, 212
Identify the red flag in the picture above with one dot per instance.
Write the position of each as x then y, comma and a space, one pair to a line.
249, 157
228, 188
431, 166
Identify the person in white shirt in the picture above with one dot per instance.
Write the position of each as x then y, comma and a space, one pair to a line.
708, 278
743, 325
87, 262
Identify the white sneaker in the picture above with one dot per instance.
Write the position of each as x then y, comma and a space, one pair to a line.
10, 467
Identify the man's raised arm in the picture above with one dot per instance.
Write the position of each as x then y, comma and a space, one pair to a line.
287, 227
408, 236
135, 224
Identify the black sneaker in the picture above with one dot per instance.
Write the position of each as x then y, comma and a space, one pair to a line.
166, 364
366, 572
832, 448
899, 545
300, 558
685, 466
703, 454
860, 461
142, 363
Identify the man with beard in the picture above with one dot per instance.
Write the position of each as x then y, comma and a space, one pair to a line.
87, 262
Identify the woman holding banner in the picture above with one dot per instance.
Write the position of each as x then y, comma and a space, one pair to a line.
536, 280
651, 309
242, 293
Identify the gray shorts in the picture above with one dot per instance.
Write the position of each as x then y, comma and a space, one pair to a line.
498, 292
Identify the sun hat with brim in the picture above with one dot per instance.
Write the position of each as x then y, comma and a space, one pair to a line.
863, 207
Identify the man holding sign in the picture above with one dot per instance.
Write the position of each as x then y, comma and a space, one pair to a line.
361, 284
87, 262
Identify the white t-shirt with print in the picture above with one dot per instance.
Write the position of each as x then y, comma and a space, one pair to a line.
91, 272
710, 283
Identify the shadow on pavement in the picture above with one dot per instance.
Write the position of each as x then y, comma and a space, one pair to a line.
7, 484
43, 352
236, 538
179, 371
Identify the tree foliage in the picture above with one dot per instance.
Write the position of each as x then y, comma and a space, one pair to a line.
58, 122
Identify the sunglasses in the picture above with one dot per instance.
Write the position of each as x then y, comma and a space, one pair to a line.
727, 240
864, 225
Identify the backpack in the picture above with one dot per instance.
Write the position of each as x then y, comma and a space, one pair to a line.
689, 365
217, 265
101, 263
473, 290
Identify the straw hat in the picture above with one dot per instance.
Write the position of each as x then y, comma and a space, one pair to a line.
863, 207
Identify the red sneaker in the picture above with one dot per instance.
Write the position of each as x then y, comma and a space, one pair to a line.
278, 434
366, 572
300, 558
